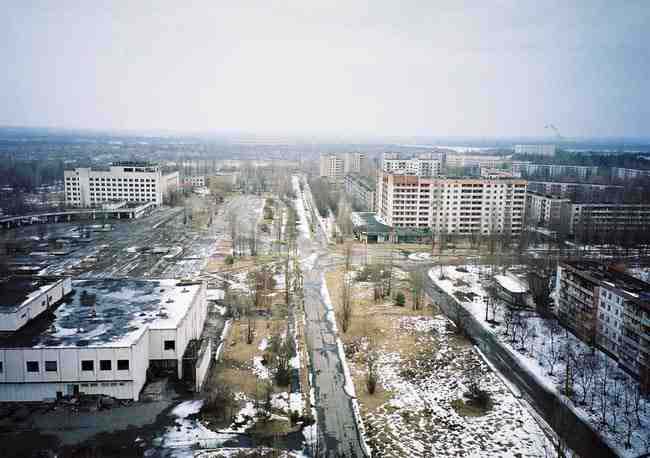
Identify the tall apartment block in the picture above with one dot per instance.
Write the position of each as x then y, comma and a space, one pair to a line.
452, 205
335, 167
123, 181
545, 210
423, 165
608, 308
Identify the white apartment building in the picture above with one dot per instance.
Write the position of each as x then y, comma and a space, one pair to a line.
476, 160
104, 340
195, 181
335, 167
554, 170
573, 190
452, 205
422, 165
123, 181
629, 174
537, 149
545, 210
361, 190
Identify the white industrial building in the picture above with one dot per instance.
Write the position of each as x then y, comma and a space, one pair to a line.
123, 181
25, 298
452, 205
104, 338
536, 149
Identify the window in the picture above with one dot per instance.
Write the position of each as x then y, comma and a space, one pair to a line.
105, 365
122, 364
0, 367
88, 365
32, 366
50, 366
170, 345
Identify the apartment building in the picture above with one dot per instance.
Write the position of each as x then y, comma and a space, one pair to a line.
361, 190
453, 205
476, 160
605, 218
487, 172
335, 167
195, 181
616, 307
554, 170
429, 164
629, 174
545, 210
576, 191
123, 181
536, 149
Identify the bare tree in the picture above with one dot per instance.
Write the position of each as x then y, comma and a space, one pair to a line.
345, 314
372, 357
416, 279
552, 351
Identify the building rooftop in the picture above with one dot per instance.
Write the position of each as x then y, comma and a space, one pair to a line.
511, 284
16, 291
108, 313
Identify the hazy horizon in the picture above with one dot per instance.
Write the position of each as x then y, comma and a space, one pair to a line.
375, 69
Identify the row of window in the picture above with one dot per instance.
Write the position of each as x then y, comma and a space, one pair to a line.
87, 365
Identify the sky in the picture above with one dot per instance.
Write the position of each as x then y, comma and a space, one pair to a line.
429, 67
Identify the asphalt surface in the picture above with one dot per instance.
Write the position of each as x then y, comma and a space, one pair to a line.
337, 430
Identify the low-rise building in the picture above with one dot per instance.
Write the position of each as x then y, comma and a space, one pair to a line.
544, 149
24, 298
616, 307
105, 338
362, 191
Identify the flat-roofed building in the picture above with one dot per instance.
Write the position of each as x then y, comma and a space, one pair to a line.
362, 191
452, 205
104, 339
542, 149
428, 164
545, 210
335, 167
577, 191
590, 221
123, 181
24, 298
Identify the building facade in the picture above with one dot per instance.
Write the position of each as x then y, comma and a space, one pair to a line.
195, 181
477, 161
538, 149
616, 307
629, 174
423, 165
526, 169
545, 210
577, 191
105, 340
452, 205
335, 167
605, 219
124, 181
361, 191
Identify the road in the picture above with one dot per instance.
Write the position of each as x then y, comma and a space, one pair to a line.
337, 430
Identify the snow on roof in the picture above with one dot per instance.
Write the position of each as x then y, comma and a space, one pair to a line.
510, 284
123, 310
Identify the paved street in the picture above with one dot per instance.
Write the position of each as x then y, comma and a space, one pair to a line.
337, 431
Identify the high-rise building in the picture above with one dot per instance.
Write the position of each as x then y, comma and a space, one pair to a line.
452, 205
545, 210
335, 167
123, 181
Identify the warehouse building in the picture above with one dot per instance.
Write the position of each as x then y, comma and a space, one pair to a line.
105, 338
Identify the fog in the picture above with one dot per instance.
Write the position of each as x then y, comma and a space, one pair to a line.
332, 67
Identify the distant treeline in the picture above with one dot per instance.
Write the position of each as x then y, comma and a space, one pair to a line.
26, 176
625, 160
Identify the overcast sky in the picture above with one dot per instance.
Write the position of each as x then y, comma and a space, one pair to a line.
426, 67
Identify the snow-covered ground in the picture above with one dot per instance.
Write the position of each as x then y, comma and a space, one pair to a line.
603, 395
419, 418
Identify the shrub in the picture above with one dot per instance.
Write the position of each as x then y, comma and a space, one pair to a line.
229, 260
400, 299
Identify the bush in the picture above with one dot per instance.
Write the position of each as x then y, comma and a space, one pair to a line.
400, 299
229, 260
